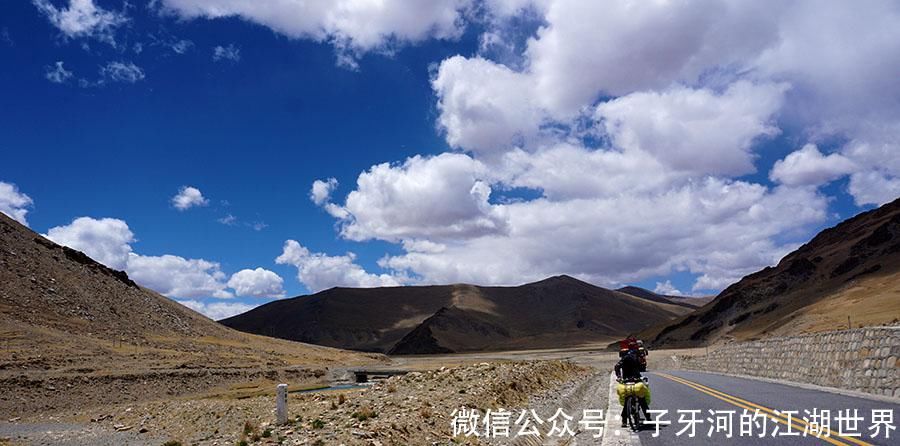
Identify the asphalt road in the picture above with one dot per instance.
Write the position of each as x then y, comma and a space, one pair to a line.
674, 391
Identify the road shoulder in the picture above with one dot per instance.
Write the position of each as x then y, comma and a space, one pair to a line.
614, 434
836, 391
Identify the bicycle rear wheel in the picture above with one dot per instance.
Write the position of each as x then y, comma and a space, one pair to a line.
635, 413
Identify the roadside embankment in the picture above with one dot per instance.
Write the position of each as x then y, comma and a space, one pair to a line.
862, 360
415, 408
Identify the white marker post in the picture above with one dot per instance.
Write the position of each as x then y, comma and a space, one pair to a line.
281, 404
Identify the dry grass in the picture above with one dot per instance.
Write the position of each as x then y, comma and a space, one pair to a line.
257, 388
364, 413
868, 301
418, 412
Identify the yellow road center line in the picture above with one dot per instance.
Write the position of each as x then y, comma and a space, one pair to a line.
766, 409
731, 401
772, 416
734, 400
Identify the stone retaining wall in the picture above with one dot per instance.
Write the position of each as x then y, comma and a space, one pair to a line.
864, 359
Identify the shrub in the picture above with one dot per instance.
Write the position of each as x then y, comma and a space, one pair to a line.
317, 424
364, 413
267, 433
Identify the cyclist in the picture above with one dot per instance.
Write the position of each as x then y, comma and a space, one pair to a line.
642, 355
628, 369
626, 344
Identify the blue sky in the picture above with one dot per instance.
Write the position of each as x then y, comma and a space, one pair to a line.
143, 108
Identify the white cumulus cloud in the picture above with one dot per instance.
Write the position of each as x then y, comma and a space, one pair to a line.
614, 145
257, 282
176, 276
351, 26
669, 54
567, 171
14, 203
321, 190
484, 106
216, 310
319, 271
719, 228
874, 187
106, 240
695, 129
188, 197
877, 177
808, 166
109, 241
425, 197
589, 49
635, 123
667, 289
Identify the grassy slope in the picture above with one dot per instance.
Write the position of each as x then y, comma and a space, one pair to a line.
65, 318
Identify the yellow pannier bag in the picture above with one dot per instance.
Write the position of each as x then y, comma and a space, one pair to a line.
639, 388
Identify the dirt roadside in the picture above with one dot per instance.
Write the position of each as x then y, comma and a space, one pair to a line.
412, 409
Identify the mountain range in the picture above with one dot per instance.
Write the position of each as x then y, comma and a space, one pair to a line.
848, 270
684, 301
560, 311
58, 307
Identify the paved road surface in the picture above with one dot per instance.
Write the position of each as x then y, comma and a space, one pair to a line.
705, 391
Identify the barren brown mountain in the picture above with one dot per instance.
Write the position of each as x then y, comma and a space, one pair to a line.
72, 329
557, 312
684, 301
848, 274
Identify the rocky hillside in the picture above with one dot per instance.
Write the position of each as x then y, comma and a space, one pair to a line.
56, 287
411, 409
68, 320
556, 312
851, 270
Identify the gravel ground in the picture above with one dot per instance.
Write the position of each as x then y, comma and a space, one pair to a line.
588, 391
411, 409
71, 434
